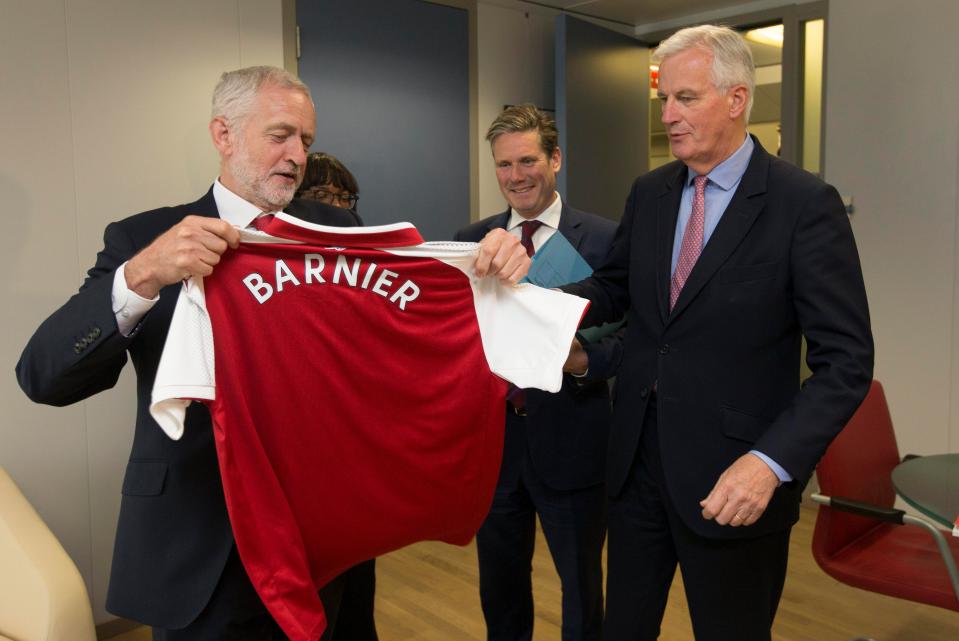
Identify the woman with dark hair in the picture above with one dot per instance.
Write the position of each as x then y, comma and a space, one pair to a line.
328, 181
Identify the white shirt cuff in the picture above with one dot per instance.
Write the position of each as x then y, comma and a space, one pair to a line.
128, 306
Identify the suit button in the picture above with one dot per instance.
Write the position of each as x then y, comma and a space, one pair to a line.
663, 350
96, 332
643, 393
77, 347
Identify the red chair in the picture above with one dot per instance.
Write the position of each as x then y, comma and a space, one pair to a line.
858, 538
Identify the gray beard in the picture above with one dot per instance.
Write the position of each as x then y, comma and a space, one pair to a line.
256, 188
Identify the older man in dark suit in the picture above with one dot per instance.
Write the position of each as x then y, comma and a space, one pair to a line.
555, 445
724, 260
175, 565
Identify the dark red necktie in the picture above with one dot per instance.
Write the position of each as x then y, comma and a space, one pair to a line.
528, 228
260, 223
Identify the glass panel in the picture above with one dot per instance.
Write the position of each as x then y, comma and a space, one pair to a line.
812, 94
765, 121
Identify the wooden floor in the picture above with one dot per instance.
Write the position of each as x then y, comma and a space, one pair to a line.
427, 592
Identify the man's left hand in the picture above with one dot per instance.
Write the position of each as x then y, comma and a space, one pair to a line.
742, 492
502, 255
578, 360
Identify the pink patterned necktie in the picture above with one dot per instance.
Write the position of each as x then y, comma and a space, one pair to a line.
692, 241
261, 222
529, 228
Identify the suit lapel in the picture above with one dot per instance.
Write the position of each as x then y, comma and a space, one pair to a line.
498, 222
746, 205
570, 226
206, 206
667, 212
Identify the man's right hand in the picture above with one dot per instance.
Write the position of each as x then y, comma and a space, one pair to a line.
502, 255
192, 247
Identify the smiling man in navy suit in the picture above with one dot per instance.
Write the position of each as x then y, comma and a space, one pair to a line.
724, 260
555, 449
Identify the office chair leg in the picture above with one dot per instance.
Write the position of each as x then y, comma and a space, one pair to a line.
943, 546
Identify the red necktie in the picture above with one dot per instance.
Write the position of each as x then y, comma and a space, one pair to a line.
529, 228
261, 222
692, 241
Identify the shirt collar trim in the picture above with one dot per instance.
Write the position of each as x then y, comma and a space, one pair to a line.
729, 172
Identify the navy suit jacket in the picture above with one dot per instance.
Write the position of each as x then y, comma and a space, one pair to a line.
782, 263
173, 534
567, 431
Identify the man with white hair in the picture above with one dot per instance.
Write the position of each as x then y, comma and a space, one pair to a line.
723, 261
175, 564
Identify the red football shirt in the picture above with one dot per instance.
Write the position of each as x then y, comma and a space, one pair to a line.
353, 395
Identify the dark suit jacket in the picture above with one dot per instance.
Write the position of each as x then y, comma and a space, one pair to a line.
173, 534
781, 263
567, 431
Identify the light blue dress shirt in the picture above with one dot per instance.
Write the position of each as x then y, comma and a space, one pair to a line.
720, 189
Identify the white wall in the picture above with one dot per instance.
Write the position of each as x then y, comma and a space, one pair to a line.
892, 143
103, 113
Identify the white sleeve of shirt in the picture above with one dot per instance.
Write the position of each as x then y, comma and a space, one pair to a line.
128, 306
186, 369
527, 331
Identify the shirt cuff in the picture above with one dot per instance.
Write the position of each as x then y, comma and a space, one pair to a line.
128, 306
782, 474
